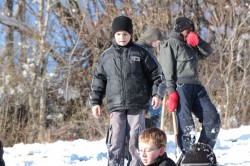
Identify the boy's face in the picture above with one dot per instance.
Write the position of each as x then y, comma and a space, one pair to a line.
149, 152
122, 38
155, 43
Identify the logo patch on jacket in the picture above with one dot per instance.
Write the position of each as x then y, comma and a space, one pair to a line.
135, 58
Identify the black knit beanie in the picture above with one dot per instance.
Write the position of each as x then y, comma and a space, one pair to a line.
122, 23
183, 23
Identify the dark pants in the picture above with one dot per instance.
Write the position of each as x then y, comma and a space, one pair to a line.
1, 154
155, 115
194, 99
125, 124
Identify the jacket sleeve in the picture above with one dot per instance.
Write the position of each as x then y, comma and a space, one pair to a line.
162, 88
155, 75
168, 63
204, 49
98, 85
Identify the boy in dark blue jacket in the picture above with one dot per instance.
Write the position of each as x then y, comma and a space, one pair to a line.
128, 76
150, 39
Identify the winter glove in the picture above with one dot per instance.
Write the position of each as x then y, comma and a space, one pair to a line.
172, 101
192, 39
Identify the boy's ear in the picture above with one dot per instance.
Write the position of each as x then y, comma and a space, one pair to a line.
162, 150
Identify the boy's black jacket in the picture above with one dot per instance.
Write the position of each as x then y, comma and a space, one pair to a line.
163, 161
128, 76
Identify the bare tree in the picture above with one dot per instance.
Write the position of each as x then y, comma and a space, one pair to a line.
66, 38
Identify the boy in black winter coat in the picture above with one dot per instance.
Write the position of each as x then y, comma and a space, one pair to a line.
152, 148
128, 75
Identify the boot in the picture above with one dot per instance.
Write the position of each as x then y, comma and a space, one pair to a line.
2, 163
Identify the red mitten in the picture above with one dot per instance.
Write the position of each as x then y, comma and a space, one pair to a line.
192, 39
172, 101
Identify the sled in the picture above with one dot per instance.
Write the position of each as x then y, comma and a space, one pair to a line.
199, 154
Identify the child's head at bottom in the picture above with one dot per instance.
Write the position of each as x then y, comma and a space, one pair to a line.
152, 144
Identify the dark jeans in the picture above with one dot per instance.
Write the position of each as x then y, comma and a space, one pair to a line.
1, 154
194, 99
155, 115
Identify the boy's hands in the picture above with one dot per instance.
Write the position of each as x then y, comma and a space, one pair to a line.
172, 101
192, 39
156, 102
96, 111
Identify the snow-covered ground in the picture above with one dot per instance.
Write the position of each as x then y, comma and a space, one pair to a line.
232, 148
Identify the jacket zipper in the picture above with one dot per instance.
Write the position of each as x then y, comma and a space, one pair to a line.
122, 76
